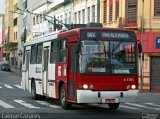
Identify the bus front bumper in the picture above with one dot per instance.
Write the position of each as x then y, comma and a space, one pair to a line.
89, 96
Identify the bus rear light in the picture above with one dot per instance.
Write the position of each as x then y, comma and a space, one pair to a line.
128, 87
85, 86
133, 87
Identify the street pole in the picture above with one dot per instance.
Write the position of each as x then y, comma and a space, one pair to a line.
141, 56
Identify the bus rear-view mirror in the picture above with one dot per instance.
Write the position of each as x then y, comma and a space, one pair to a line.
139, 48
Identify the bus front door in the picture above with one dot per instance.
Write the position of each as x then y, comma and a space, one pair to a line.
72, 72
45, 70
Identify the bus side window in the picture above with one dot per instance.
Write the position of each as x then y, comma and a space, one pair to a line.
33, 54
39, 54
54, 51
62, 50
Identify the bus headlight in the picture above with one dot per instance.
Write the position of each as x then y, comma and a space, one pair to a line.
85, 86
133, 86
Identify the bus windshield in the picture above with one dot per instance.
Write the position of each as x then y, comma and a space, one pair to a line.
111, 57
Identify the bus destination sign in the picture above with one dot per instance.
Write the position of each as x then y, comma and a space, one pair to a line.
114, 35
107, 34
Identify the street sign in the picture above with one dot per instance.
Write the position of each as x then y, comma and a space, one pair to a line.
157, 42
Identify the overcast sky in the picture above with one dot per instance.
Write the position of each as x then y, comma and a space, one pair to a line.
2, 6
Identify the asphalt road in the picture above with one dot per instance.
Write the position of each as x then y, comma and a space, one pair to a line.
16, 103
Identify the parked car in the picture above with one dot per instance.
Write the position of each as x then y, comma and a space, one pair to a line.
5, 67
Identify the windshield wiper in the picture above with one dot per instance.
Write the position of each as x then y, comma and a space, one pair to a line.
117, 46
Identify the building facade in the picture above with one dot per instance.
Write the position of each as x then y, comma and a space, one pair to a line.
2, 37
11, 43
143, 17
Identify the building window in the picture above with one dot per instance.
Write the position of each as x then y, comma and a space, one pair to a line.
37, 20
110, 11
117, 9
61, 18
93, 13
15, 21
75, 17
83, 15
34, 20
41, 18
157, 8
105, 11
131, 8
69, 18
65, 18
79, 17
88, 12
16, 35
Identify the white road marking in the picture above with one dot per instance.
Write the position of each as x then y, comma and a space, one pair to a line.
48, 104
152, 104
5, 105
8, 86
142, 106
128, 107
18, 86
25, 104
0, 87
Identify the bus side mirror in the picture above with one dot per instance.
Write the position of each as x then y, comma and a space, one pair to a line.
139, 48
78, 47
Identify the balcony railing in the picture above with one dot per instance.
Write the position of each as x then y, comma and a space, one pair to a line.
130, 21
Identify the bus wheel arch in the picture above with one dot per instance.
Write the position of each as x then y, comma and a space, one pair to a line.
59, 88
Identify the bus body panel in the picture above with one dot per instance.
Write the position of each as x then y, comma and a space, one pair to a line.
52, 80
107, 81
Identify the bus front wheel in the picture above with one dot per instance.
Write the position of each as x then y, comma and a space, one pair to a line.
113, 105
64, 103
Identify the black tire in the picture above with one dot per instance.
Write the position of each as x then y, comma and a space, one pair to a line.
113, 105
64, 103
41, 97
33, 91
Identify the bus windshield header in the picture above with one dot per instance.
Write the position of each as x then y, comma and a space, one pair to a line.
107, 34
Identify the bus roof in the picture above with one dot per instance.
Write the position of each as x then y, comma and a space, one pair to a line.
61, 34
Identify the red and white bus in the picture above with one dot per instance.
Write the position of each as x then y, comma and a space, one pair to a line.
82, 65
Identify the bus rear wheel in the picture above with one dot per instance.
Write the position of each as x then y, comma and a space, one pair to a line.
33, 91
64, 103
113, 105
